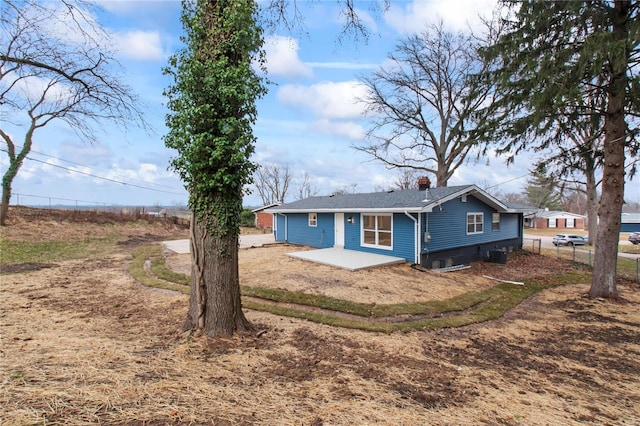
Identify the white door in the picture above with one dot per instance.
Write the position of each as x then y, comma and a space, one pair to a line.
338, 220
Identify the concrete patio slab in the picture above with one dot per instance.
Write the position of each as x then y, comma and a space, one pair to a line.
347, 259
257, 240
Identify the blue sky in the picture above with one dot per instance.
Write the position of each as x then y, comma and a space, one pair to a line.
308, 121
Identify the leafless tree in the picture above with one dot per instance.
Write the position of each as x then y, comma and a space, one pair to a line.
419, 103
305, 190
287, 14
406, 179
345, 189
55, 65
512, 197
631, 207
272, 182
578, 161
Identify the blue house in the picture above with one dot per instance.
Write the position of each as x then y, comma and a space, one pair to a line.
433, 227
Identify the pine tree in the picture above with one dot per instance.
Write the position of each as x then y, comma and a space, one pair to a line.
542, 191
548, 53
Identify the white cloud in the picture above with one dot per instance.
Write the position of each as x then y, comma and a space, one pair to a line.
140, 45
412, 17
139, 174
493, 173
115, 6
341, 65
347, 129
148, 172
282, 57
69, 25
326, 99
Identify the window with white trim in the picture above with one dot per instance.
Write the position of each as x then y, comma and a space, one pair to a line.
551, 223
495, 222
475, 223
571, 222
377, 231
313, 219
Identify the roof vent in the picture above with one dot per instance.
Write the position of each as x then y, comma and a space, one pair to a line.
427, 196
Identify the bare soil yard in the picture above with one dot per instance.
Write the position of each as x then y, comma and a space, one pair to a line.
81, 342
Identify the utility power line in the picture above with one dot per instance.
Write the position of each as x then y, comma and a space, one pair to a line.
99, 177
88, 167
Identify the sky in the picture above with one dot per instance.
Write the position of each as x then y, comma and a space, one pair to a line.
309, 121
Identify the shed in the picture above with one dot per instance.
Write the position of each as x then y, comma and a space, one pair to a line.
264, 219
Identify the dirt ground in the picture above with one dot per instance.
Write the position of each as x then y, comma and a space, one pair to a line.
81, 342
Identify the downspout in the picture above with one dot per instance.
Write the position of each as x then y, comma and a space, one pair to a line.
274, 228
416, 245
419, 254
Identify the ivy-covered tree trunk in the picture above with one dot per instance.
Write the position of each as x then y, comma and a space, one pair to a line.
4, 204
213, 109
215, 307
15, 162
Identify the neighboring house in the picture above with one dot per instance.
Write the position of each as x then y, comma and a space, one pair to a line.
264, 220
630, 222
435, 227
545, 219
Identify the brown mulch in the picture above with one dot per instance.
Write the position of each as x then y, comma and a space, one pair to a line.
84, 343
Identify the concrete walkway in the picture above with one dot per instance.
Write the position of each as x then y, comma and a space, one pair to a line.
346, 259
257, 240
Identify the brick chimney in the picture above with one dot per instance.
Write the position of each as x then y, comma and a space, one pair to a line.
424, 183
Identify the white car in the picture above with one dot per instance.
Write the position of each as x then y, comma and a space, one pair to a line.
568, 240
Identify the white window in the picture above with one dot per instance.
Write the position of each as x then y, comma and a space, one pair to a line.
551, 223
475, 223
377, 231
313, 219
495, 222
571, 222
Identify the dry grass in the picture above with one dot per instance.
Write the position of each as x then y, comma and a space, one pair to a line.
270, 267
83, 343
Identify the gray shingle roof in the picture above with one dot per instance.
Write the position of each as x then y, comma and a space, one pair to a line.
521, 207
400, 200
553, 213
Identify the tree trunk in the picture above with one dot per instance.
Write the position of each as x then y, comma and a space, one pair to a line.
4, 204
606, 254
15, 162
442, 177
7, 180
215, 308
592, 209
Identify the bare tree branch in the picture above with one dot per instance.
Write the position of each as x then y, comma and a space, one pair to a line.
305, 190
55, 64
272, 182
420, 104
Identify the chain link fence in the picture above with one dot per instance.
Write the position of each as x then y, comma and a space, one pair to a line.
628, 264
